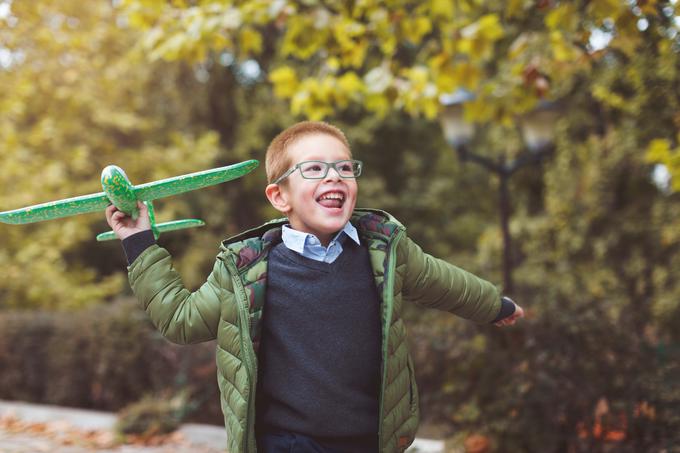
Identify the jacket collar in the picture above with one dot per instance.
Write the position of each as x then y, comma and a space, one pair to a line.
251, 244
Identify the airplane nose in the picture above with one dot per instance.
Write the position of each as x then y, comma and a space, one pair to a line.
119, 189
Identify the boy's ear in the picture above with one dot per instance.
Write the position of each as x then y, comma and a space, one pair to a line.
278, 198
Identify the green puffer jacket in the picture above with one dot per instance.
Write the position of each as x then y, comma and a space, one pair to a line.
228, 307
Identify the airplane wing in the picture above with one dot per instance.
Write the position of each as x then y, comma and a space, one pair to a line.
185, 183
56, 209
161, 228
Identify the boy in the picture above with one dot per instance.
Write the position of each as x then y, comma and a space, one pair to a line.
311, 350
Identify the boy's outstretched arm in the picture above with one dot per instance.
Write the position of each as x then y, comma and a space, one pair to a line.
180, 315
434, 283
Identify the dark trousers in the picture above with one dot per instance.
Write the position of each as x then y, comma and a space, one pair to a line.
285, 442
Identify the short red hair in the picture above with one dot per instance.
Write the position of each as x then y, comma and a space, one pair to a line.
277, 160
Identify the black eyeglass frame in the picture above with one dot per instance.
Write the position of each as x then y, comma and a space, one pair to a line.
359, 166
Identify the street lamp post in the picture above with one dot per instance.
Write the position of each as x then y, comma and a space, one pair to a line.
538, 133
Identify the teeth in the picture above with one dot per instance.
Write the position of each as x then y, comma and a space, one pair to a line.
332, 196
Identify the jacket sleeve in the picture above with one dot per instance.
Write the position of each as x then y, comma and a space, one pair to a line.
434, 283
180, 315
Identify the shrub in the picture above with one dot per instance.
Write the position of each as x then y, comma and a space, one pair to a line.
104, 357
153, 415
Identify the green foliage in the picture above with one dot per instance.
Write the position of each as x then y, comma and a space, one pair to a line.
153, 415
596, 242
104, 357
659, 151
403, 54
74, 100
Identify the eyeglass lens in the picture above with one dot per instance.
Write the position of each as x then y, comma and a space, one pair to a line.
317, 170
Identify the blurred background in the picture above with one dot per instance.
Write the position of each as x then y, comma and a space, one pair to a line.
535, 143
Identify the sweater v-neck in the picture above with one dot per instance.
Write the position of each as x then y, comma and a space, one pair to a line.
320, 266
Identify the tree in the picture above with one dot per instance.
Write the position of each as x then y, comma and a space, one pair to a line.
594, 367
597, 246
324, 55
74, 100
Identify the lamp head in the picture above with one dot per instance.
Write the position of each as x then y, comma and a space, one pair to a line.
457, 131
538, 126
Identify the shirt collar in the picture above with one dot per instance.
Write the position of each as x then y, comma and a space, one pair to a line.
296, 240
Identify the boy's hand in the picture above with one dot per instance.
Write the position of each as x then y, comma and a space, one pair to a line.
510, 320
123, 225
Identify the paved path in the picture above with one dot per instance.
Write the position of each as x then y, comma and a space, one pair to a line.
33, 428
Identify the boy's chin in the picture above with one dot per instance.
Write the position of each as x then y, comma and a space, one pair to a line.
335, 222
336, 215
333, 212
333, 225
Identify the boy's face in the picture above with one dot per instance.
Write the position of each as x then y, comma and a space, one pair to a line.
321, 207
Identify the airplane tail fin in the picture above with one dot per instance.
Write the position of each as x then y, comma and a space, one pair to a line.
159, 228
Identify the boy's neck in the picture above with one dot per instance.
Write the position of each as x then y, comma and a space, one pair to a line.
324, 239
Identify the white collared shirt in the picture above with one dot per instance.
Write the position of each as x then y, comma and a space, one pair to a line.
309, 246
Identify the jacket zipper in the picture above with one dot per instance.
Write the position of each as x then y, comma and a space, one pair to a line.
388, 299
246, 348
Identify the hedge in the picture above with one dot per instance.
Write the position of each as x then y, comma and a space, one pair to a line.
104, 358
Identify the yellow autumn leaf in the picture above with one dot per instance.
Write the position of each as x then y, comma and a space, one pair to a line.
441, 9
377, 103
170, 49
413, 29
446, 80
346, 32
514, 7
350, 83
418, 76
606, 9
610, 98
478, 38
356, 55
313, 98
430, 107
658, 150
490, 27
350, 88
302, 39
251, 41
563, 17
285, 81
562, 49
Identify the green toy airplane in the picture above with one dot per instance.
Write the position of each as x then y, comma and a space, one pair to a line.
119, 191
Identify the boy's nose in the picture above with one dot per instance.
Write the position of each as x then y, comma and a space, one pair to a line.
332, 175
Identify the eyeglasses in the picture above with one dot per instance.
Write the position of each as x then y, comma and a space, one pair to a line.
316, 169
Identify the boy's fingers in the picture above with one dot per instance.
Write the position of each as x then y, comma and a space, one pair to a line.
118, 215
111, 215
512, 319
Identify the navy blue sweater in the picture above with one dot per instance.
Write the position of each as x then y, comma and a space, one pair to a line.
319, 360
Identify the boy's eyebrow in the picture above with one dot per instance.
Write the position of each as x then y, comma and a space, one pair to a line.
325, 161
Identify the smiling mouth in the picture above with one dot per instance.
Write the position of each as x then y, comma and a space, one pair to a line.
331, 200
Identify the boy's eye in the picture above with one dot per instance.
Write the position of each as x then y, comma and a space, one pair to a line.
346, 168
312, 168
